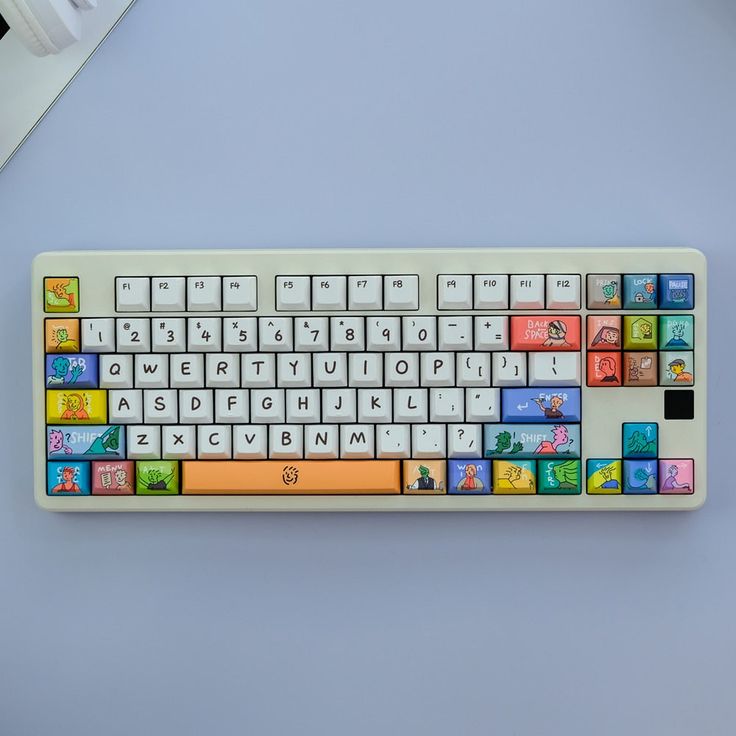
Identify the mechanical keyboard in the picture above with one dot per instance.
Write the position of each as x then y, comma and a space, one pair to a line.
370, 380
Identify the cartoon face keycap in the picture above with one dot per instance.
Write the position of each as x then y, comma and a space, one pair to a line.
514, 477
468, 476
113, 478
61, 294
640, 291
71, 369
640, 476
676, 476
62, 335
604, 291
76, 407
531, 440
544, 332
604, 476
676, 291
558, 477
424, 476
640, 332
87, 442
640, 368
604, 369
639, 439
604, 332
676, 368
676, 332
157, 477
68, 478
540, 404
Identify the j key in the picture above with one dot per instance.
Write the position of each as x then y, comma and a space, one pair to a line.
540, 404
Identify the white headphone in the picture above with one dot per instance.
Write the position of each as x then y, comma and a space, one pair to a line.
46, 26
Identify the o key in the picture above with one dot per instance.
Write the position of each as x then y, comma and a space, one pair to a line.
545, 332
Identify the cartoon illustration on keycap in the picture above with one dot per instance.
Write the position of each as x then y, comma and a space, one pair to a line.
470, 482
641, 329
503, 443
64, 371
645, 476
559, 437
553, 410
607, 367
107, 442
566, 474
638, 444
290, 475
608, 336
154, 480
67, 482
556, 334
512, 480
608, 480
610, 292
677, 368
73, 405
677, 331
56, 442
61, 294
671, 481
62, 341
647, 295
425, 482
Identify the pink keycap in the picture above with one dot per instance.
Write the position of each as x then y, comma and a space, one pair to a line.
540, 332
676, 476
113, 478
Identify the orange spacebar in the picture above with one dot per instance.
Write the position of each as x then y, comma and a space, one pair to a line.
295, 477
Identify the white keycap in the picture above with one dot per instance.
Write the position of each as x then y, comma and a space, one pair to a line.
465, 440
393, 441
321, 441
285, 441
196, 406
554, 369
329, 369
428, 440
482, 405
339, 405
98, 335
508, 369
473, 369
294, 370
240, 334
293, 293
401, 369
204, 334
134, 335
454, 292
151, 371
401, 292
275, 334
456, 333
563, 291
133, 294
446, 404
258, 370
365, 292
250, 442
410, 405
366, 370
214, 442
204, 293
491, 291
302, 406
222, 370
144, 442
329, 292
232, 406
239, 293
437, 369
311, 334
169, 334
186, 370
267, 406
420, 333
179, 443
125, 407
374, 405
384, 333
160, 406
527, 291
492, 333
357, 441
168, 294
347, 333
116, 371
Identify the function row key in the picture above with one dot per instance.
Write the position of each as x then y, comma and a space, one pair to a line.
640, 291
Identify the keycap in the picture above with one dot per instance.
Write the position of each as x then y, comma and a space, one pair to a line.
640, 368
186, 370
322, 442
134, 335
465, 441
157, 477
204, 293
85, 442
347, 333
483, 405
179, 442
168, 294
113, 478
640, 332
509, 369
676, 476
473, 369
116, 371
240, 334
393, 441
329, 292
62, 335
676, 332
454, 291
639, 440
492, 333
285, 441
232, 406
144, 442
424, 476
604, 332
98, 335
604, 476
68, 370
563, 291
61, 294
365, 292
83, 406
540, 405
554, 369
151, 371
276, 334
250, 442
545, 332
401, 292
312, 335
384, 333
676, 368
437, 369
291, 477
640, 476
455, 333
514, 477
428, 441
604, 291
222, 370
469, 476
410, 405
604, 369
526, 291
214, 442
125, 406
491, 291
293, 293
357, 441
68, 478
558, 477
640, 290
204, 334
531, 440
676, 291
161, 406
239, 293
169, 335
133, 294
420, 333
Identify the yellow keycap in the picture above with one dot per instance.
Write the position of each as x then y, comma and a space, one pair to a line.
76, 407
514, 477
62, 335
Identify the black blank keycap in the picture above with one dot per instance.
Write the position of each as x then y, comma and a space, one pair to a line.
679, 404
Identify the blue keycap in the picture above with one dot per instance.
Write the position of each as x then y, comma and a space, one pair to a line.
69, 479
640, 476
540, 405
71, 369
639, 439
468, 476
640, 291
509, 441
676, 291
88, 442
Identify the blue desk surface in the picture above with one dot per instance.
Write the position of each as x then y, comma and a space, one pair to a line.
387, 123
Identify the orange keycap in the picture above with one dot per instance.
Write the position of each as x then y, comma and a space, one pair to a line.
545, 332
291, 477
62, 335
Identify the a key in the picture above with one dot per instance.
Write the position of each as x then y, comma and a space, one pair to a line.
446, 405
250, 442
321, 441
222, 370
410, 405
160, 406
437, 369
267, 406
196, 406
116, 371
366, 370
186, 370
204, 293
473, 369
144, 442
330, 369
179, 443
339, 405
357, 441
393, 441
125, 407
303, 406
258, 370
232, 406
402, 369
294, 370
374, 405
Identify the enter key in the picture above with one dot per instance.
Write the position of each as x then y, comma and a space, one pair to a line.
540, 404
